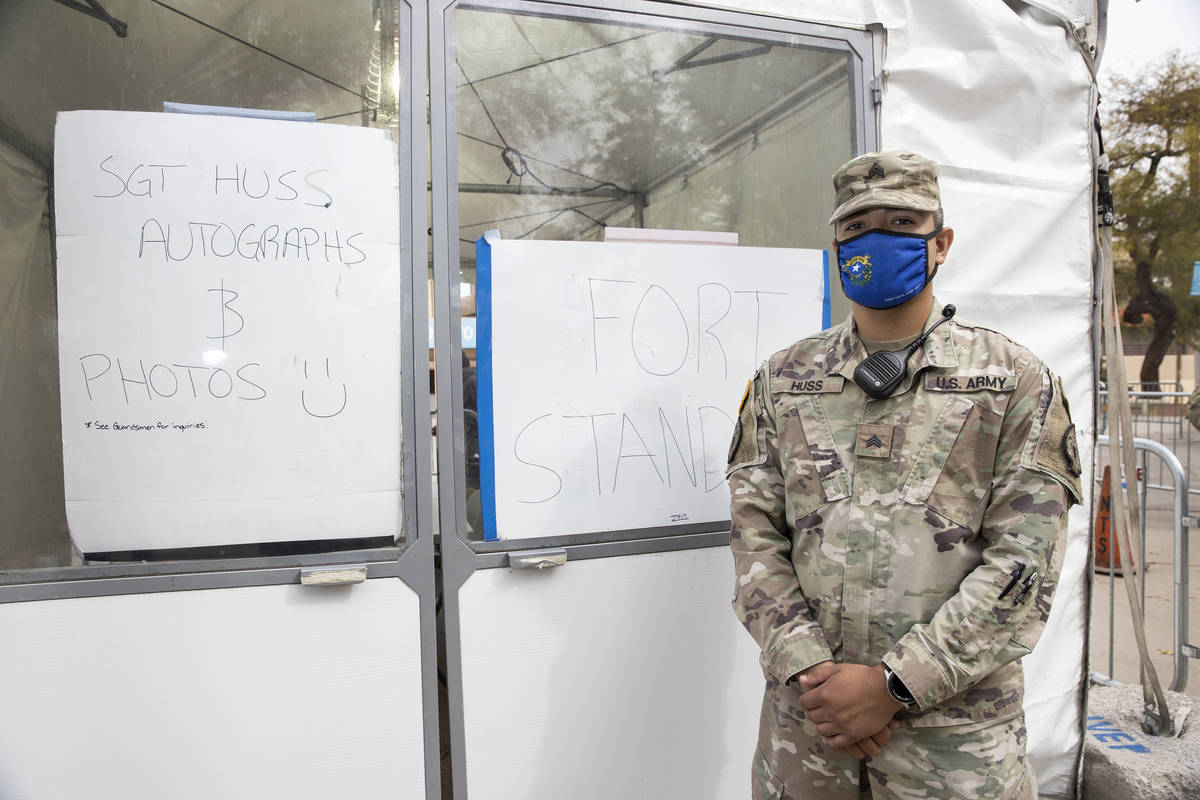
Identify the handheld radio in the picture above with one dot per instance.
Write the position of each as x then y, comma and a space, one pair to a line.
880, 373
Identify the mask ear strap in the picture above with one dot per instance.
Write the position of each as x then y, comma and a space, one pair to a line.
930, 277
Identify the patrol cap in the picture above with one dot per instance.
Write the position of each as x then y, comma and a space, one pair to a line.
895, 179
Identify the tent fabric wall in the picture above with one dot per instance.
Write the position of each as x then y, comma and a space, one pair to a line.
33, 528
1002, 96
1009, 113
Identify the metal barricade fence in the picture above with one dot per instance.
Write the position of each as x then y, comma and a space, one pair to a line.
1162, 417
1171, 465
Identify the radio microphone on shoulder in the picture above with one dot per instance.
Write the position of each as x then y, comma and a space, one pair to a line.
880, 373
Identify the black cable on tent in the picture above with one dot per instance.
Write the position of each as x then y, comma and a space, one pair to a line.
588, 217
355, 112
92, 8
558, 214
562, 57
513, 158
599, 183
258, 49
539, 213
553, 190
541, 225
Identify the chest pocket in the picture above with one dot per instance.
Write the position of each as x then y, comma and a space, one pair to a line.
952, 472
813, 469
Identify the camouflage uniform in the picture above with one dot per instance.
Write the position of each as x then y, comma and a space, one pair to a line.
886, 530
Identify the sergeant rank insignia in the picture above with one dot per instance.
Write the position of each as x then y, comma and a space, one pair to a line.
873, 441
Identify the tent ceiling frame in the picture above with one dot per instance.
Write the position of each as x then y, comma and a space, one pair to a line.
555, 59
689, 61
749, 129
92, 8
252, 46
752, 126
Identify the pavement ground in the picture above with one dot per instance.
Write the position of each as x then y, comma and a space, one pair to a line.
1110, 607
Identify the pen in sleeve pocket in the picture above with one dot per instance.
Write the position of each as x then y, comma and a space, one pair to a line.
1014, 576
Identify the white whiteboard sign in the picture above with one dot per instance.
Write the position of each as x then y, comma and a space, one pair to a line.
229, 330
610, 376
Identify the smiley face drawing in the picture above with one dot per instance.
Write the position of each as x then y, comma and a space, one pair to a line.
325, 404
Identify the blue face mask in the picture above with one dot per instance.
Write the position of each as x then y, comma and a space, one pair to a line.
884, 269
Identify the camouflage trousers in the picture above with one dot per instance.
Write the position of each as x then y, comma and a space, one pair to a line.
969, 761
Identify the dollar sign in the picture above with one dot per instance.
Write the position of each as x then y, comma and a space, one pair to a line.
225, 310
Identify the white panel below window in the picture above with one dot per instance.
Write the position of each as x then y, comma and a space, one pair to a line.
261, 692
623, 677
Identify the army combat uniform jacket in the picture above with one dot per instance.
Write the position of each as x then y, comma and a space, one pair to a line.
889, 530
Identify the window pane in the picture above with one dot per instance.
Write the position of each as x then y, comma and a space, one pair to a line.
566, 126
342, 62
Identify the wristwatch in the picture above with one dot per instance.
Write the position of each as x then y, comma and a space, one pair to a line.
896, 687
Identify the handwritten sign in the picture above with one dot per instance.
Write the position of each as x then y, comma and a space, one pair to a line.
229, 330
610, 376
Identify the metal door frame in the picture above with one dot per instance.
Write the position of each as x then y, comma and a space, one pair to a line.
413, 562
458, 558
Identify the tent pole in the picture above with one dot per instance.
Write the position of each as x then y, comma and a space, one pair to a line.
639, 209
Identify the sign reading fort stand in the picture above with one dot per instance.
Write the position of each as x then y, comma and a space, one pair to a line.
229, 330
610, 376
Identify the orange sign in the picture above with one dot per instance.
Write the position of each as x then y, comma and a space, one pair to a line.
1104, 531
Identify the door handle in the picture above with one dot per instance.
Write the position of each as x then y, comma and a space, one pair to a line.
333, 576
537, 559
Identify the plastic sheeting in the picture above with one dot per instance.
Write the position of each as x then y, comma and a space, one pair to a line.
58, 59
1000, 95
33, 530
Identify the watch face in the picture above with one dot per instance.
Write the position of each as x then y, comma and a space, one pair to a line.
897, 689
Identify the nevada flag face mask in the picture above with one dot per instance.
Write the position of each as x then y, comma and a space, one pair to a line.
884, 269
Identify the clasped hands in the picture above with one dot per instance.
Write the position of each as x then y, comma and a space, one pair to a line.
850, 706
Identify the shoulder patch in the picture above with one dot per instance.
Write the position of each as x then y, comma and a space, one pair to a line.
1057, 448
743, 448
1071, 451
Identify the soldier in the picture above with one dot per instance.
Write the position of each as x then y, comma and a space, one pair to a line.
1193, 408
897, 549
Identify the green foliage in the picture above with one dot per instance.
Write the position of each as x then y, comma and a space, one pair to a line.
1152, 133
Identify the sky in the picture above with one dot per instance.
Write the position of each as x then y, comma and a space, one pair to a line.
1140, 32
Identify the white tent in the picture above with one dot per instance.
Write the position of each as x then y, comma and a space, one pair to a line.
1001, 93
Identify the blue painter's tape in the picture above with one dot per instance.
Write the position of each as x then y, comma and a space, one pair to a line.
483, 377
826, 310
232, 111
